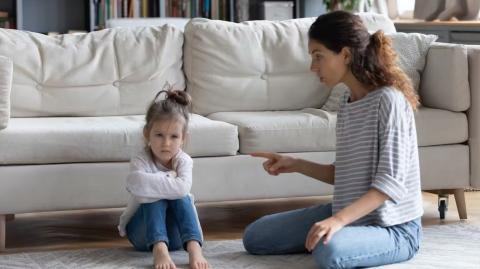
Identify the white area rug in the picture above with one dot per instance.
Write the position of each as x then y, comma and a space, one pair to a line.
444, 246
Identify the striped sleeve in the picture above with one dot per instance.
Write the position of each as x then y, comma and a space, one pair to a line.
393, 163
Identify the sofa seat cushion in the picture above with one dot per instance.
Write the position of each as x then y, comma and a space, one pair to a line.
440, 127
283, 131
101, 139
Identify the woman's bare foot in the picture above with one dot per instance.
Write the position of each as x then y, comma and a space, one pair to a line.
161, 257
197, 261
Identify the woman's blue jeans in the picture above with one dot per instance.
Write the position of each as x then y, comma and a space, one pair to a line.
174, 222
350, 247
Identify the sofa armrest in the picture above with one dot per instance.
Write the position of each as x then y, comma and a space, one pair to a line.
444, 82
474, 114
6, 73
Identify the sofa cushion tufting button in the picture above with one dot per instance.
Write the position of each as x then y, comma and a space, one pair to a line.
116, 83
263, 76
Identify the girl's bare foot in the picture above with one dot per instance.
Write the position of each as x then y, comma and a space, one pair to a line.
161, 257
197, 261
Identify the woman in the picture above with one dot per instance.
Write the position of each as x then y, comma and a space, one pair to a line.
374, 218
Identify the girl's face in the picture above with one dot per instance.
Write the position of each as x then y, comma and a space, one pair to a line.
329, 66
165, 138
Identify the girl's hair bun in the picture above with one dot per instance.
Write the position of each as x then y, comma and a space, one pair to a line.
180, 97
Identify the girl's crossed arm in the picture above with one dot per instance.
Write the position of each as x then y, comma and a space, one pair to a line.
146, 186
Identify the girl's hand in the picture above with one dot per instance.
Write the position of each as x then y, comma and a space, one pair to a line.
276, 163
322, 230
173, 173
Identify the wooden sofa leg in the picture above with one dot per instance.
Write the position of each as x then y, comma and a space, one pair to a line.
459, 195
2, 232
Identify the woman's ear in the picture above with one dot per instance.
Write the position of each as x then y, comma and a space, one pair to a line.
347, 55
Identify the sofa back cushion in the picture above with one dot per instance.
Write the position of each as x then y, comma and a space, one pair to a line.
445, 78
5, 87
109, 72
254, 65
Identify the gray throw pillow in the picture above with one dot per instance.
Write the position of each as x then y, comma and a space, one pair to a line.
333, 102
412, 49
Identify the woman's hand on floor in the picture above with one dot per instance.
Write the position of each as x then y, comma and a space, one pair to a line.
322, 230
277, 163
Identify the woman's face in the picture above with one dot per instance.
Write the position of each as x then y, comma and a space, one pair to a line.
329, 66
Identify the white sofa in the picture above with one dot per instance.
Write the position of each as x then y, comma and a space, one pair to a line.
140, 22
74, 111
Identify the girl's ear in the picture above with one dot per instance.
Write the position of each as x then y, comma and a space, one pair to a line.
146, 135
186, 136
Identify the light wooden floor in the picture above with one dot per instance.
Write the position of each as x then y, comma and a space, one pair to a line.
97, 228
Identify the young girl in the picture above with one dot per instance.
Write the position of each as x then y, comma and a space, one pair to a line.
160, 215
374, 218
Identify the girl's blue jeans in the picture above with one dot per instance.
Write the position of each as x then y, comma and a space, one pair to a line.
174, 222
350, 247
